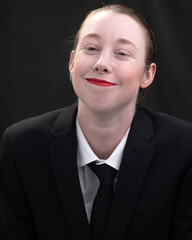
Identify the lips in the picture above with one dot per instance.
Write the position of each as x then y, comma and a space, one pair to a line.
100, 82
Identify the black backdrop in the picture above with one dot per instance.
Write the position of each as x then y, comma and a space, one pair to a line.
35, 52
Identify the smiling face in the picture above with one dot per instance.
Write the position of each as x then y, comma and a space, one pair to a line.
108, 66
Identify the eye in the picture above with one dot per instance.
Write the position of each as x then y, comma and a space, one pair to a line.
122, 53
91, 49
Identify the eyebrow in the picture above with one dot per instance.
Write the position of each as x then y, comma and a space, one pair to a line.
119, 40
92, 35
126, 41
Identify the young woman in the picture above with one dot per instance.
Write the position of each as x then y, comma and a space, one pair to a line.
47, 185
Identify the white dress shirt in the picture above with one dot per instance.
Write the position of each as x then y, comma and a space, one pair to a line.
85, 155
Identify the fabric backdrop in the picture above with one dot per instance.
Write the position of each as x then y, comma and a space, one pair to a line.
35, 44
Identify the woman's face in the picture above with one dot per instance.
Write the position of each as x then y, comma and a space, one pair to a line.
108, 65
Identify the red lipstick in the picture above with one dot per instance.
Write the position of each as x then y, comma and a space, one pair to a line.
100, 82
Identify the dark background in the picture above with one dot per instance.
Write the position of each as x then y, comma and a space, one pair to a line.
35, 46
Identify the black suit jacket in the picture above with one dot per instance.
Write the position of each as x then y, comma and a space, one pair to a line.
40, 191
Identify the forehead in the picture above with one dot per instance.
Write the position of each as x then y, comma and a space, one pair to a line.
113, 25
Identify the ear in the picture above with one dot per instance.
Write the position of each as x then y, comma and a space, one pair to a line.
71, 61
149, 76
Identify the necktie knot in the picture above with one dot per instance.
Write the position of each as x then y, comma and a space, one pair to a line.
104, 172
103, 199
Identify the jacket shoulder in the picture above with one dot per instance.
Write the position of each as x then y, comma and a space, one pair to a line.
163, 122
40, 125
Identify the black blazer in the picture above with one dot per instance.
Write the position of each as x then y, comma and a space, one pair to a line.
40, 191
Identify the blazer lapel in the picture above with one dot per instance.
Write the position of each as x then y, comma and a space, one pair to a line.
64, 160
135, 163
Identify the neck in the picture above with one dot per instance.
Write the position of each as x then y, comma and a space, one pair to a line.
104, 131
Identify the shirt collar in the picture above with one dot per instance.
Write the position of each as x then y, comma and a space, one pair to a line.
86, 155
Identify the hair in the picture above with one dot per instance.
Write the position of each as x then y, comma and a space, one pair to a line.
150, 38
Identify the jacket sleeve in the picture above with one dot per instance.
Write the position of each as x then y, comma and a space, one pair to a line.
182, 219
16, 220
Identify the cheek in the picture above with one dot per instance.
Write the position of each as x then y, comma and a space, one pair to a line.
81, 66
131, 80
79, 71
130, 75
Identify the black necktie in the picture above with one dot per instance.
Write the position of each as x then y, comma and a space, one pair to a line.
103, 199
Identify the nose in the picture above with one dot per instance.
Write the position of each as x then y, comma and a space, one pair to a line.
103, 64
